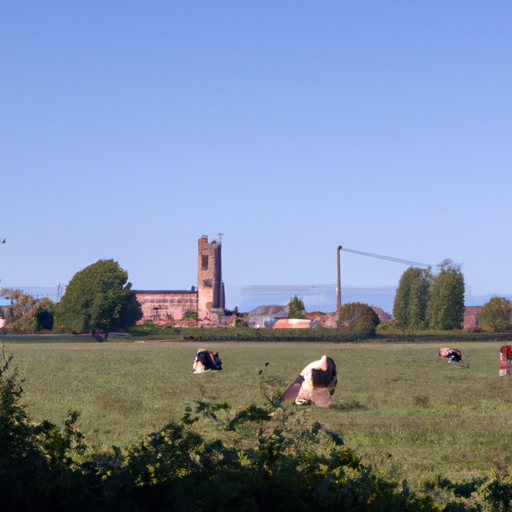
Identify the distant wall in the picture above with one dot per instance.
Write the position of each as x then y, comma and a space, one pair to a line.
157, 304
471, 316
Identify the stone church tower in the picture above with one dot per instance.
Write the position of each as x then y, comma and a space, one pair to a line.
210, 288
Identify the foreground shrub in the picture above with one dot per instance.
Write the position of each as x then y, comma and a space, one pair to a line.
287, 467
37, 466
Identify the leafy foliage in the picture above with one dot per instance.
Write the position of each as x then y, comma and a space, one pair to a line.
36, 459
44, 315
25, 314
296, 308
496, 315
20, 304
426, 300
412, 297
190, 315
360, 318
446, 305
240, 322
98, 297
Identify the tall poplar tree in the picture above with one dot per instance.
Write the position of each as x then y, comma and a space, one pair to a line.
412, 297
446, 305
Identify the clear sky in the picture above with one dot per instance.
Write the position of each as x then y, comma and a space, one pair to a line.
128, 129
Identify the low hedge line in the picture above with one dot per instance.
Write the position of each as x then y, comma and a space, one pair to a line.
442, 336
346, 335
247, 334
272, 335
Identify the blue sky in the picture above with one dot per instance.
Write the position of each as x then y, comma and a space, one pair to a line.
128, 129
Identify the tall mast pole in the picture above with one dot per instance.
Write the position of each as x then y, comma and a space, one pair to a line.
338, 284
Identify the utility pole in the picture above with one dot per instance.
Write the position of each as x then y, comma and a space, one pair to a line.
338, 284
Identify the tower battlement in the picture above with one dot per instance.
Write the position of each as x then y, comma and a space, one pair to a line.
210, 288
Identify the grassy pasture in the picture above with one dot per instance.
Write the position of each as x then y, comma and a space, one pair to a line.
399, 406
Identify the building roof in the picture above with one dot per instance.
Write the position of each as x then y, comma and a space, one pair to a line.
168, 292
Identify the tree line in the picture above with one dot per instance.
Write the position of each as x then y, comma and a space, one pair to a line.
428, 300
99, 298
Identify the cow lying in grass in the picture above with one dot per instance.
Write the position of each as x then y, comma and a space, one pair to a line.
315, 384
453, 355
206, 361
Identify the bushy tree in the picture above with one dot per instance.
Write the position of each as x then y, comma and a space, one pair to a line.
20, 304
98, 297
411, 299
446, 305
427, 300
25, 314
360, 318
496, 315
44, 315
296, 308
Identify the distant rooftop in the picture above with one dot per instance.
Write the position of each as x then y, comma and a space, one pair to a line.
181, 292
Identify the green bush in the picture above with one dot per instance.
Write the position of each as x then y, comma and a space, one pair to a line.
190, 315
384, 327
296, 308
148, 327
360, 319
496, 315
37, 460
240, 322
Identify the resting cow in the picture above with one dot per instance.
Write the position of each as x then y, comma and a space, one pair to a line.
315, 384
453, 355
206, 360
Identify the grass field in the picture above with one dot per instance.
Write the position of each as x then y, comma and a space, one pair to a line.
399, 406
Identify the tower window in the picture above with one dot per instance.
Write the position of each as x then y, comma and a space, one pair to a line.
204, 262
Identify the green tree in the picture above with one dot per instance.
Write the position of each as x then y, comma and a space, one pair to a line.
496, 315
25, 314
412, 296
359, 317
445, 309
20, 305
98, 297
296, 308
44, 315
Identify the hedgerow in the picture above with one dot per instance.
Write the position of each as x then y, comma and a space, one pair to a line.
356, 333
353, 333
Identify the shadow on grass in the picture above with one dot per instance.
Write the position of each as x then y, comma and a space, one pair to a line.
352, 405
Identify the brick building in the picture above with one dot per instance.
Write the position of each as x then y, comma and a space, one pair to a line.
471, 316
160, 305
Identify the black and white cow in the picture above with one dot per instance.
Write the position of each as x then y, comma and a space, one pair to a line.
206, 361
315, 383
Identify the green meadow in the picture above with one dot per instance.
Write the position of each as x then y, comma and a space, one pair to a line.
399, 406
